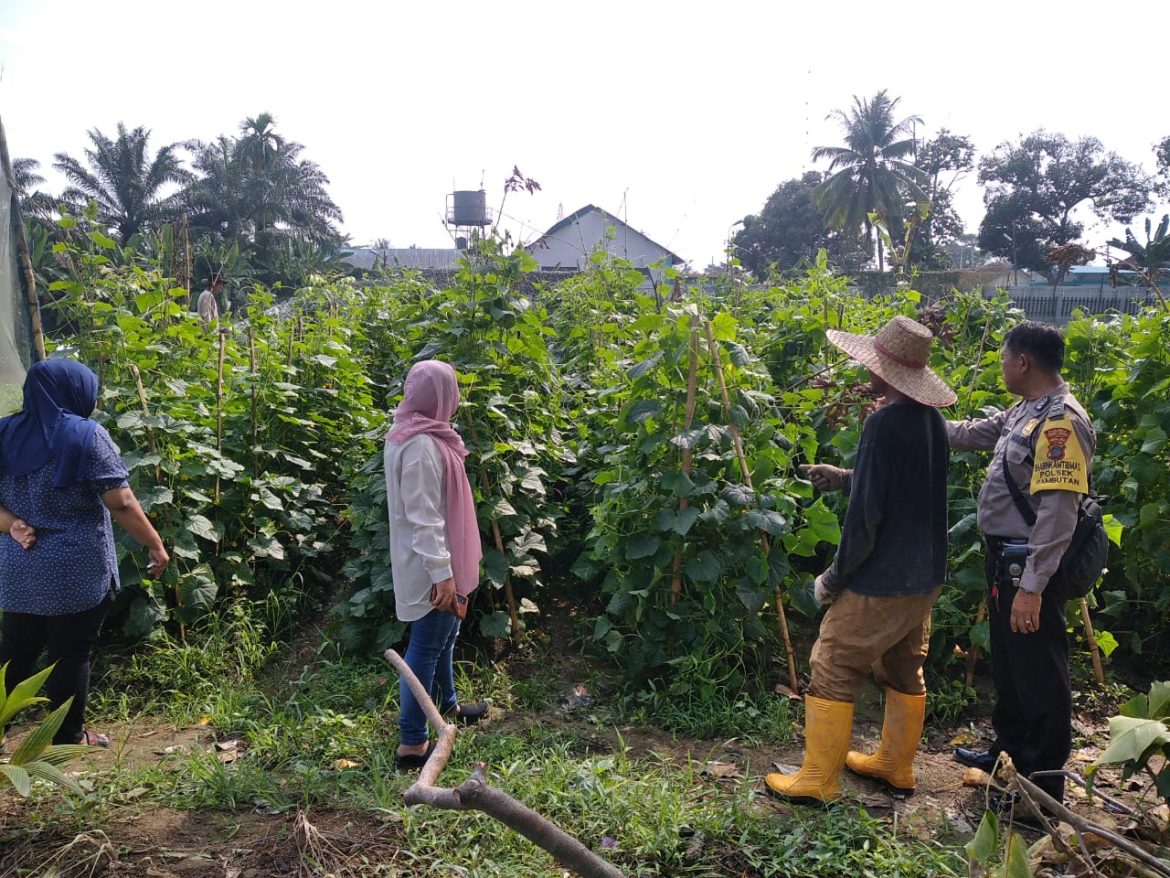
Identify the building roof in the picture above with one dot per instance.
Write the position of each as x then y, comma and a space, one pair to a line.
590, 208
367, 258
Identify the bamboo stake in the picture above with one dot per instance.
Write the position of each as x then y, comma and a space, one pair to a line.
474, 794
497, 538
981, 613
509, 596
186, 255
692, 387
150, 440
737, 441
978, 361
30, 279
252, 369
1094, 650
973, 652
219, 403
158, 479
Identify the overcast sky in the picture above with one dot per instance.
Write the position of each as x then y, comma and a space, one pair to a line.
678, 117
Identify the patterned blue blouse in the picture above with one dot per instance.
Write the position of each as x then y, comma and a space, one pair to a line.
72, 565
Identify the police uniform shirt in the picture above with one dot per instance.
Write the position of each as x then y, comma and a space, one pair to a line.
1047, 444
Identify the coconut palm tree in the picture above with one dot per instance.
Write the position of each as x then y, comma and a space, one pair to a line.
27, 178
287, 193
127, 184
870, 174
34, 203
256, 191
216, 200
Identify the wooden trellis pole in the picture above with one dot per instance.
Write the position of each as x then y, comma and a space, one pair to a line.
509, 595
973, 650
219, 402
158, 478
1094, 650
255, 379
187, 255
498, 539
737, 441
692, 387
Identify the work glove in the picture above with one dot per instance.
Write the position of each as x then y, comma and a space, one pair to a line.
821, 593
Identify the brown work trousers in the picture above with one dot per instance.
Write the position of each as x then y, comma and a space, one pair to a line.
860, 633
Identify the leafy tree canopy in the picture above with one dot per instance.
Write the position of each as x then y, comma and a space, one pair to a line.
1162, 162
943, 161
791, 229
1034, 187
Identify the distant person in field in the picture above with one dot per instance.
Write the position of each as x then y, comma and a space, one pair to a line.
889, 568
61, 482
434, 546
208, 303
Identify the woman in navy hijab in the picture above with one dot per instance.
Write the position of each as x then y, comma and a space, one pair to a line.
61, 481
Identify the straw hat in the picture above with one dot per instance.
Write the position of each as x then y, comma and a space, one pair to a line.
899, 354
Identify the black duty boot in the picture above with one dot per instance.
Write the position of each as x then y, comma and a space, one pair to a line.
982, 759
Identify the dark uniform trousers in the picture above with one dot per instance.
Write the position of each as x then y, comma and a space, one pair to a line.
1033, 706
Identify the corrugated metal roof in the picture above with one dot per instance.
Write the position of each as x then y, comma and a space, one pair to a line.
405, 257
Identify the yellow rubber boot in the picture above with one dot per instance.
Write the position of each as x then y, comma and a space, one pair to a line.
893, 763
827, 727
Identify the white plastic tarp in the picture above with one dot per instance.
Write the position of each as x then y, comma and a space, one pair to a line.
15, 347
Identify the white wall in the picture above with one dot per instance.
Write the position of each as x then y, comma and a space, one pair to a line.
571, 245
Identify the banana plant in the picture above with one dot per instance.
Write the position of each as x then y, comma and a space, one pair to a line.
37, 756
1152, 259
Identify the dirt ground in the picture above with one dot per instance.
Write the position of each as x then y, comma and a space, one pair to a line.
147, 841
138, 839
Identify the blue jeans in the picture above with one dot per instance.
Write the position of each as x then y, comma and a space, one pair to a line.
430, 654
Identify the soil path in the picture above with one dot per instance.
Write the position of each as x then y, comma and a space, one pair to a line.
139, 839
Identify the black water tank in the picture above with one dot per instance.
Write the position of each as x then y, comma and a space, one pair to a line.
469, 208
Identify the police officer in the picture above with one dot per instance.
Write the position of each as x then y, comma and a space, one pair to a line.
1043, 449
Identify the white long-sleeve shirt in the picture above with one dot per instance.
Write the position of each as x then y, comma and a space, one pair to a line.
417, 503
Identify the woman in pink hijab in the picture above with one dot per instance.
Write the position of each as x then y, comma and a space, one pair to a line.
434, 546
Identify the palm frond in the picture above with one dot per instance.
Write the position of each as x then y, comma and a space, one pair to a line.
51, 773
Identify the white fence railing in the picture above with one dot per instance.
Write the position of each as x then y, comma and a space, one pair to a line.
1057, 304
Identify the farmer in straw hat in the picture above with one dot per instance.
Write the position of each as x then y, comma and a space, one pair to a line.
888, 570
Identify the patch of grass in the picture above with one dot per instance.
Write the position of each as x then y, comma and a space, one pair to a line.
180, 682
323, 739
767, 718
828, 843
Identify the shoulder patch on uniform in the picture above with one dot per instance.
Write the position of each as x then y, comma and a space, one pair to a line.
1060, 459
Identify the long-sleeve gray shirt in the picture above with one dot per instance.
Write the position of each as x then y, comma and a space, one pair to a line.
1012, 435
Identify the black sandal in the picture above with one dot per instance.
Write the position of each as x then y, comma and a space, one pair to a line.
411, 761
469, 714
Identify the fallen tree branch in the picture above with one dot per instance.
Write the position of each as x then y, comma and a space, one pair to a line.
1094, 791
475, 794
1038, 799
